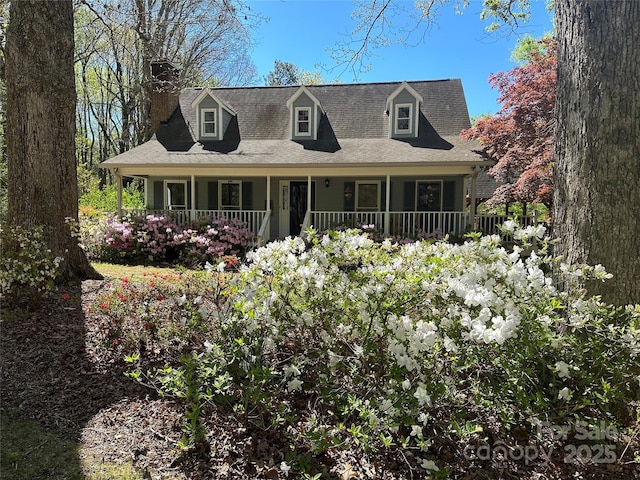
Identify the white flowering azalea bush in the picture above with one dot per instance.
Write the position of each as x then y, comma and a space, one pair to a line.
341, 340
28, 268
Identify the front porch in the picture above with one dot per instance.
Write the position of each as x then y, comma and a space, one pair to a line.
408, 205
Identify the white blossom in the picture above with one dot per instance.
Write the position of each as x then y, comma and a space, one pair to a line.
284, 468
565, 394
294, 384
429, 465
562, 369
422, 396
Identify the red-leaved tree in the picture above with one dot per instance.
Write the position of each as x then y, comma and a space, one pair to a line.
520, 136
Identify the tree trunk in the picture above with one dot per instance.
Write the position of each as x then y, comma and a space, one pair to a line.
41, 101
597, 165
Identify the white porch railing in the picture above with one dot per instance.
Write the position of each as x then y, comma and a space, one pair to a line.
257, 221
487, 223
407, 224
403, 224
181, 217
329, 220
400, 224
263, 232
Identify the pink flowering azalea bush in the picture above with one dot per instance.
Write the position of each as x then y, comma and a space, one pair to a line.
159, 238
212, 240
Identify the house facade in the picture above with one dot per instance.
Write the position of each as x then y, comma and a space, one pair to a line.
289, 157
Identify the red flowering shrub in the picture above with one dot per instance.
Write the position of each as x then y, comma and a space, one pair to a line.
151, 315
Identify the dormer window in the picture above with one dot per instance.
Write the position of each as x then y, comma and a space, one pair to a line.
303, 121
403, 108
305, 113
213, 116
208, 123
403, 118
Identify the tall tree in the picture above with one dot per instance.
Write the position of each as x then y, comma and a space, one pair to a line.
520, 136
283, 73
286, 73
40, 134
597, 174
597, 170
208, 39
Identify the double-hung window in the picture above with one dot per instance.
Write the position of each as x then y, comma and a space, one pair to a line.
208, 122
303, 121
429, 196
230, 195
367, 196
404, 119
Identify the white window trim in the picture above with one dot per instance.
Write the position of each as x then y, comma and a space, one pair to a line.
367, 182
398, 131
441, 182
229, 207
297, 122
202, 123
166, 193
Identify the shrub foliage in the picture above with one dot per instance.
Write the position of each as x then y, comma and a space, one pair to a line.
28, 268
339, 340
159, 238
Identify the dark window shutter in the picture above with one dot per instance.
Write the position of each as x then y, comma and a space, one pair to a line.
349, 196
158, 195
409, 203
212, 195
449, 196
383, 196
247, 195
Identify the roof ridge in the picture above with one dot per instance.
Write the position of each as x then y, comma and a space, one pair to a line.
387, 82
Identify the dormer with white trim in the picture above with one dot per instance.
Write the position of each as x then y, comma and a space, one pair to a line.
212, 116
403, 108
305, 114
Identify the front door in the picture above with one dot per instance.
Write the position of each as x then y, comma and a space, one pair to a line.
293, 206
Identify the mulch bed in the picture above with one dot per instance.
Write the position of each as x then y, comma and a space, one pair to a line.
53, 371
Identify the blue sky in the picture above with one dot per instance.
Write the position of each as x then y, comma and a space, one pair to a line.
301, 31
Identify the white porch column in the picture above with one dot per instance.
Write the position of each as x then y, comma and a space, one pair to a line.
267, 233
119, 194
268, 206
387, 219
309, 193
474, 194
193, 198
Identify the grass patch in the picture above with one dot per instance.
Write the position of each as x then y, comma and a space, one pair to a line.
132, 272
111, 471
29, 451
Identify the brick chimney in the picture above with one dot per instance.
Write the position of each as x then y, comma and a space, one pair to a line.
165, 92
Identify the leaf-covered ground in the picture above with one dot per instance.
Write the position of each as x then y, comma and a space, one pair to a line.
56, 371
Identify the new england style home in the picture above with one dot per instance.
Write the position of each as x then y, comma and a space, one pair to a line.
288, 157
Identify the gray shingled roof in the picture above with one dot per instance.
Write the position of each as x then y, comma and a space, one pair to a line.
485, 185
354, 129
